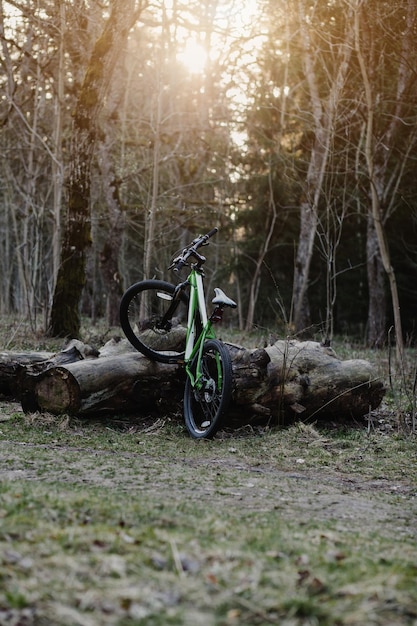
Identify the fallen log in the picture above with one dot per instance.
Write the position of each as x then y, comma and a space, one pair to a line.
11, 363
104, 385
282, 382
14, 366
304, 380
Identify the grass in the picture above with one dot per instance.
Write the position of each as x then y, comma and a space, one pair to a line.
129, 522
109, 525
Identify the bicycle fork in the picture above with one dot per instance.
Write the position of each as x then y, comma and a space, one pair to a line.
206, 382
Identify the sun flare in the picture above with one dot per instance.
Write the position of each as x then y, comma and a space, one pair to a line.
234, 20
193, 57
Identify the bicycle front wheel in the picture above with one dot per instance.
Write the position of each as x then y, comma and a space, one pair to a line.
153, 322
204, 407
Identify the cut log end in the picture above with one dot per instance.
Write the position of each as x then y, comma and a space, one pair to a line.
56, 391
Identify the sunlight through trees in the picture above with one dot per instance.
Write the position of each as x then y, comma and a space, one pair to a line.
292, 127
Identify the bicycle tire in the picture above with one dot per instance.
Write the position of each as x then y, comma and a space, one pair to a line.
141, 308
204, 410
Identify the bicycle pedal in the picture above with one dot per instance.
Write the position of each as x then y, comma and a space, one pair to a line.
205, 424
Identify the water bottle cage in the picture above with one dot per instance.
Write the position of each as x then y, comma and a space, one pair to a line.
217, 315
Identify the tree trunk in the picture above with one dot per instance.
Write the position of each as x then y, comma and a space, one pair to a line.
65, 317
280, 383
377, 309
150, 216
324, 111
110, 249
377, 169
256, 278
57, 163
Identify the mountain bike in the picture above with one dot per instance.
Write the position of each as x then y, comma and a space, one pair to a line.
151, 313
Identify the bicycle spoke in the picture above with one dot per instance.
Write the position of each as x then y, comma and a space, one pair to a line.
204, 407
151, 320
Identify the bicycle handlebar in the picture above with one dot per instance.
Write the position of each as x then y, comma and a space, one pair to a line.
191, 251
212, 232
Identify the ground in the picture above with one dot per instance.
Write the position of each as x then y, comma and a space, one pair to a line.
126, 521
131, 522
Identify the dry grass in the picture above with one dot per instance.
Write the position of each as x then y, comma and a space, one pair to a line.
127, 521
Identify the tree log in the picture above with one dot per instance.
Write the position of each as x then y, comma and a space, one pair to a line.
11, 363
106, 385
293, 379
14, 366
282, 382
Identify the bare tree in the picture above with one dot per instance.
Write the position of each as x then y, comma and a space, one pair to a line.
264, 248
65, 316
395, 135
26, 59
57, 139
324, 94
110, 241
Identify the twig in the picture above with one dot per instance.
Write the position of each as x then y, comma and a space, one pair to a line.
177, 558
343, 393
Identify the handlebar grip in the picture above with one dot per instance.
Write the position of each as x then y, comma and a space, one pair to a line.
191, 251
179, 264
212, 232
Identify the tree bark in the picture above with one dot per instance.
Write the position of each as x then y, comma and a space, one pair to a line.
380, 143
114, 384
324, 114
281, 383
11, 363
109, 252
57, 161
14, 366
65, 317
256, 278
377, 299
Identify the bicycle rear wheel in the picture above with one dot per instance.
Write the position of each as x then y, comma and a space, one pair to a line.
204, 408
151, 320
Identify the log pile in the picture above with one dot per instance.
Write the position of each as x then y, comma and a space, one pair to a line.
285, 381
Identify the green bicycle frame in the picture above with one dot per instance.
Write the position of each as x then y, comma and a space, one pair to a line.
193, 344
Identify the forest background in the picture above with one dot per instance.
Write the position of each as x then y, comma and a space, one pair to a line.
130, 126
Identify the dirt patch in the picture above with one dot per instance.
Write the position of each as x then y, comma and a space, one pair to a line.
132, 522
222, 481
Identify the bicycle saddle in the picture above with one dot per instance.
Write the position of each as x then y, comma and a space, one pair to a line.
222, 300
